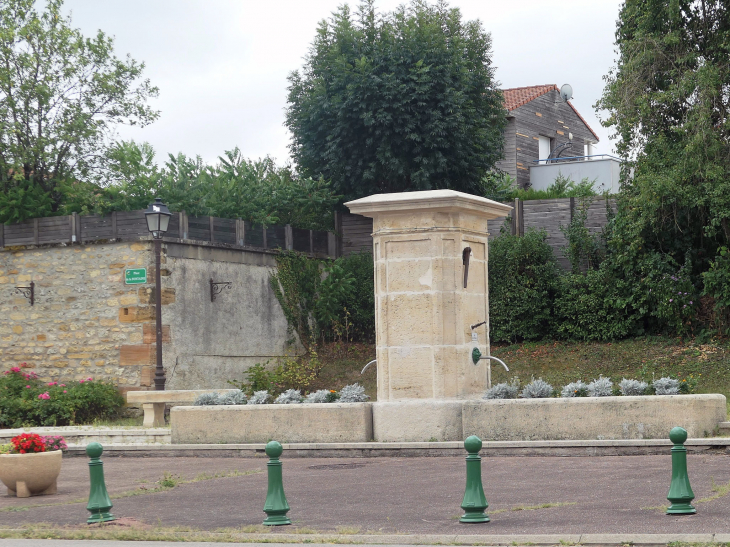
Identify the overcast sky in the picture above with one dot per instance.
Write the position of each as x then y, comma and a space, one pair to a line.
221, 65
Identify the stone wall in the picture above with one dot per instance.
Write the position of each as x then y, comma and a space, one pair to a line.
87, 323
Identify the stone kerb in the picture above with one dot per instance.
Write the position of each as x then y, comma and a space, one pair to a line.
295, 423
422, 309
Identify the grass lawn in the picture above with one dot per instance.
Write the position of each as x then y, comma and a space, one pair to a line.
559, 363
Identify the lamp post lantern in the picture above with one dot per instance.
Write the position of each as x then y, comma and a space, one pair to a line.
158, 219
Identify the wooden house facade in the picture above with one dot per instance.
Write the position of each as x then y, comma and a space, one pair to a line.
538, 122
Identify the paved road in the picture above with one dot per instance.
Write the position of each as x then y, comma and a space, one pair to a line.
396, 495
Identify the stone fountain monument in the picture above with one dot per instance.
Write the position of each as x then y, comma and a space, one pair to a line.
430, 250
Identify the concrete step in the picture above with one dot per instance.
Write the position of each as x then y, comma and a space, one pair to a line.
85, 434
724, 427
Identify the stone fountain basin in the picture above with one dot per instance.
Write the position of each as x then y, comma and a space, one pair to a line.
419, 420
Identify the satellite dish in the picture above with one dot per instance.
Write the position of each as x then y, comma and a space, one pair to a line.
566, 92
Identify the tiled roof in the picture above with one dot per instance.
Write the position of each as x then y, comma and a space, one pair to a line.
520, 96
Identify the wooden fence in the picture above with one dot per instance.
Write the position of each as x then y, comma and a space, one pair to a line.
125, 225
547, 214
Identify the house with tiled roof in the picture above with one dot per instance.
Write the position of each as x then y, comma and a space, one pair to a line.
543, 129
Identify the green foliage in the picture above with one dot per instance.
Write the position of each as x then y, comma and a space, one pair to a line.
584, 250
235, 187
324, 299
497, 186
61, 97
26, 401
589, 307
667, 102
717, 285
523, 280
395, 102
563, 187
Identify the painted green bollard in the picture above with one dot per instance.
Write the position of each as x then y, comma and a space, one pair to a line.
680, 492
276, 506
99, 502
475, 502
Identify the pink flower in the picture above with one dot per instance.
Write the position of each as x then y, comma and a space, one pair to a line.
64, 391
89, 379
52, 383
27, 387
81, 381
44, 396
62, 385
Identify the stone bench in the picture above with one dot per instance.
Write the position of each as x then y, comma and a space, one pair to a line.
153, 402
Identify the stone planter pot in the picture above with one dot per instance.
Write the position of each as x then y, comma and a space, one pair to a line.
28, 475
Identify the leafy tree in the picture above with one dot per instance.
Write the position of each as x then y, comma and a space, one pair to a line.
61, 96
397, 102
667, 100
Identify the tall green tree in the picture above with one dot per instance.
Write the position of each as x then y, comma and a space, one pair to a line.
397, 102
667, 100
61, 97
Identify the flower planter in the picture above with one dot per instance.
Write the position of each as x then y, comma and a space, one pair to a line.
28, 475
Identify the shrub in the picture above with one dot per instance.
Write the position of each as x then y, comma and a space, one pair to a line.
26, 401
502, 391
603, 387
6, 448
259, 398
354, 393
574, 389
632, 387
258, 378
589, 307
523, 279
666, 386
289, 397
232, 398
537, 389
207, 399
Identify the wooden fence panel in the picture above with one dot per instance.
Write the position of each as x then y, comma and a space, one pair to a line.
95, 227
356, 234
302, 240
253, 234
224, 230
20, 234
275, 237
199, 228
130, 224
54, 230
319, 242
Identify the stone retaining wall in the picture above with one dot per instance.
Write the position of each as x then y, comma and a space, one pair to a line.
583, 418
86, 322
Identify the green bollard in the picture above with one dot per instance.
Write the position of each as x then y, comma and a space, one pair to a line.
276, 506
680, 492
99, 502
474, 502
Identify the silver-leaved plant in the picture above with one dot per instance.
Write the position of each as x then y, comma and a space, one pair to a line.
502, 391
232, 398
632, 387
537, 389
574, 389
603, 387
289, 397
666, 386
260, 398
354, 393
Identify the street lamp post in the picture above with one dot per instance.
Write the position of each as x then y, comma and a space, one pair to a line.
158, 219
